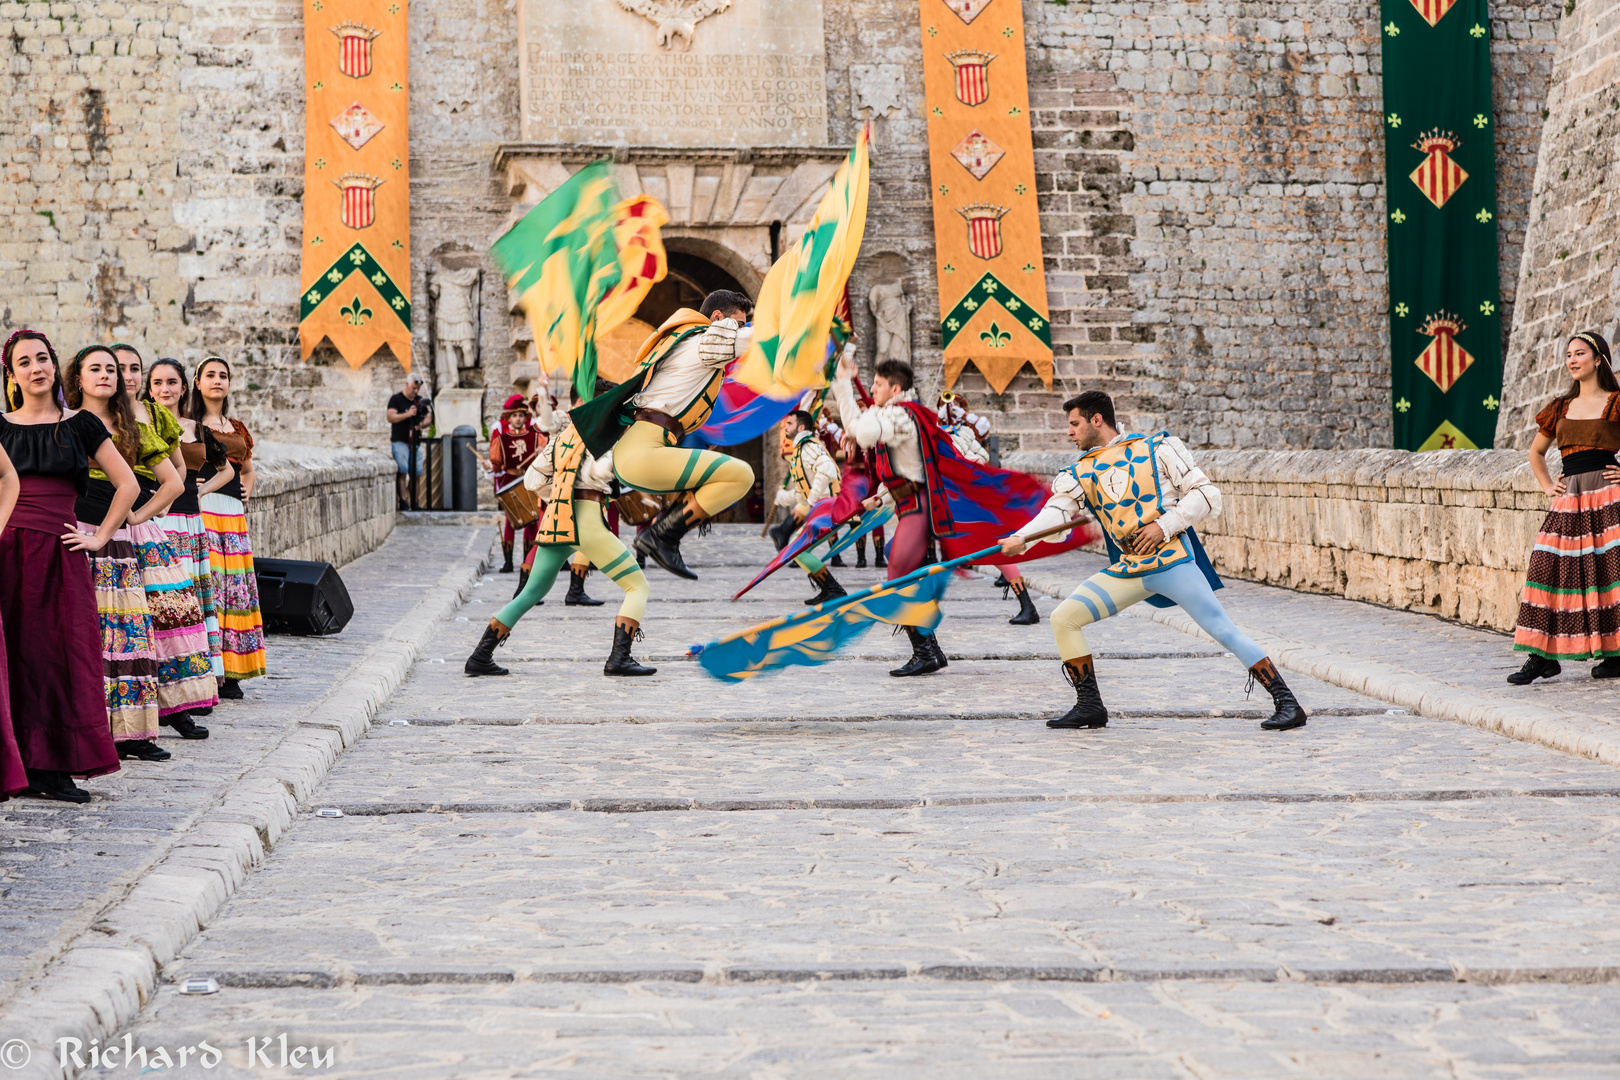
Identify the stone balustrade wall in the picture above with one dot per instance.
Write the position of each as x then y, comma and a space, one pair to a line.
313, 503
1447, 533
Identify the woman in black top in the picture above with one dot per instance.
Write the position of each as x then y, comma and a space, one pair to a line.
47, 600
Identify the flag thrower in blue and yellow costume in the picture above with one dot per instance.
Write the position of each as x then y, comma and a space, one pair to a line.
1147, 493
578, 487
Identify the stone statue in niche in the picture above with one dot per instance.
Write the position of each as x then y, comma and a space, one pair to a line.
891, 308
455, 323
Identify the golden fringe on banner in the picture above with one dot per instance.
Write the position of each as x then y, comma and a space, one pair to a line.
357, 201
981, 157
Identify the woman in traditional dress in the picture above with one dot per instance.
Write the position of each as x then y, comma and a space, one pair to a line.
185, 676
47, 597
13, 777
230, 554
167, 385
128, 651
1570, 608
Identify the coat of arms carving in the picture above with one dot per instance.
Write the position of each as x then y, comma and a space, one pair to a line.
676, 20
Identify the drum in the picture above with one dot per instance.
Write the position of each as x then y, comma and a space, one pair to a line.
522, 506
638, 507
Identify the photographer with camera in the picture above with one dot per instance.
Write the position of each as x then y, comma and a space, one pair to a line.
410, 413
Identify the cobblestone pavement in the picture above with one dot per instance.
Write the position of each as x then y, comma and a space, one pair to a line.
830, 872
61, 865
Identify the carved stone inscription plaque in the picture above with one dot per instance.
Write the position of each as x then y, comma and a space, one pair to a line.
674, 72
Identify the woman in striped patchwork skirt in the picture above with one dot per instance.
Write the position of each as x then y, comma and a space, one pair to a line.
167, 386
185, 677
1570, 609
230, 554
128, 656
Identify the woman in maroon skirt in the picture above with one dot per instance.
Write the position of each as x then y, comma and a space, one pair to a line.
47, 599
12, 776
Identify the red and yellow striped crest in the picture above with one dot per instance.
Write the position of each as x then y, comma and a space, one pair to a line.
972, 76
359, 200
1444, 360
1433, 10
1438, 177
984, 228
354, 43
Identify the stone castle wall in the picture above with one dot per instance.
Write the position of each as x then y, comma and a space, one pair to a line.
1569, 275
313, 503
1210, 175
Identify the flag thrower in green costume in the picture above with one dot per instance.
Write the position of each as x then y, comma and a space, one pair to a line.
1445, 327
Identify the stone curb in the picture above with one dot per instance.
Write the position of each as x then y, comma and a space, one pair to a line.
103, 979
1574, 733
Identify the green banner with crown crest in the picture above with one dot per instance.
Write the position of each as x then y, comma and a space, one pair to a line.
1445, 325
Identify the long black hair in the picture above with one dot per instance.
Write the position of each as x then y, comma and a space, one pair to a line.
1605, 365
193, 407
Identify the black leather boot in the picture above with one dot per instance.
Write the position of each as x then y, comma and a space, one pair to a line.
827, 588
661, 541
230, 690
50, 784
482, 660
576, 589
1535, 667
1290, 714
506, 567
925, 659
1088, 711
523, 579
935, 651
860, 554
1608, 669
184, 726
619, 661
878, 560
1001, 583
836, 560
142, 749
1027, 615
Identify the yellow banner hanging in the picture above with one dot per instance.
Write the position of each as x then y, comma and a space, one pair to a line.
357, 201
981, 157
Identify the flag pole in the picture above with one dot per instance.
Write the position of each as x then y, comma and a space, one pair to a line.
856, 597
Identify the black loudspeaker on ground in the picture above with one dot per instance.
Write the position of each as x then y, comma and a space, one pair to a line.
304, 598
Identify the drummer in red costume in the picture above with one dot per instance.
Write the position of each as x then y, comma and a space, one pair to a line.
513, 446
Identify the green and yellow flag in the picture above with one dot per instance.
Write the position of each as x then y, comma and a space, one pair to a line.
788, 354
1445, 330
581, 262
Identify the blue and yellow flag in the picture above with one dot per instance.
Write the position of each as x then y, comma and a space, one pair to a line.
805, 288
814, 635
581, 262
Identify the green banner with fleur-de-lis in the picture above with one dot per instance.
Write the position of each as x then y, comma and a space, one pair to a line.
1445, 331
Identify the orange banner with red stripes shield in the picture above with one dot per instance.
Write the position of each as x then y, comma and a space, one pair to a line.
981, 158
356, 276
